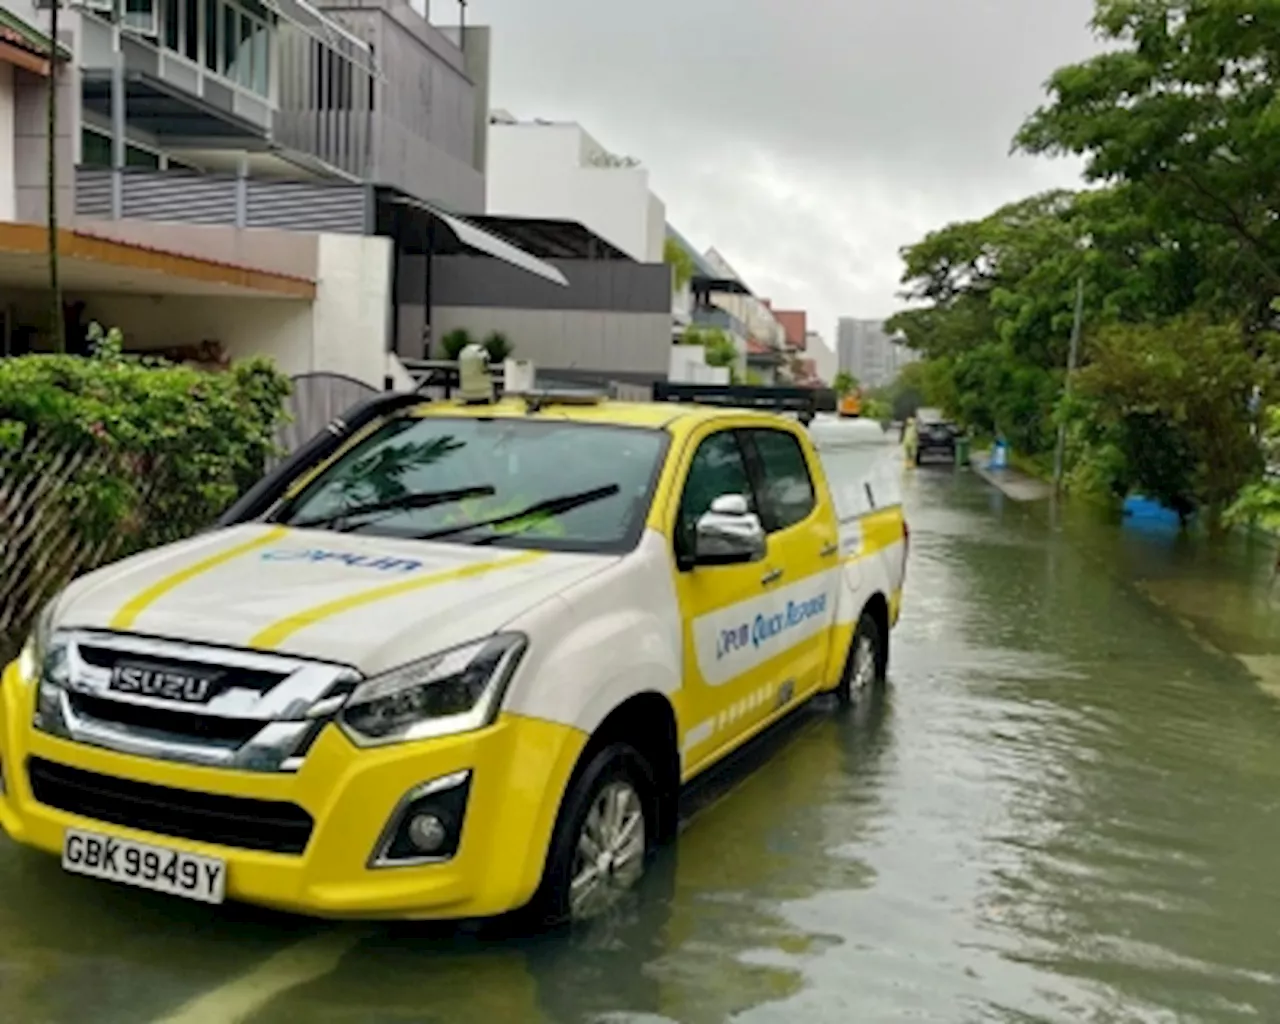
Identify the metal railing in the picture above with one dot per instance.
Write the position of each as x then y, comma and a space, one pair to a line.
192, 198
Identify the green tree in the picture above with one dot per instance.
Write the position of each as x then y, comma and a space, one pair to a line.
1183, 106
844, 383
1171, 400
681, 262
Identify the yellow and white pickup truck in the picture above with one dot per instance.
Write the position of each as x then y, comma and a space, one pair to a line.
456, 660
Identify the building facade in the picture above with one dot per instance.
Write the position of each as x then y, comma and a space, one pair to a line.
559, 170
871, 354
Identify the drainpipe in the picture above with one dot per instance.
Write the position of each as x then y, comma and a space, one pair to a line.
117, 112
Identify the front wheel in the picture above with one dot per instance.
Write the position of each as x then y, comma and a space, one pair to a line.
602, 839
865, 667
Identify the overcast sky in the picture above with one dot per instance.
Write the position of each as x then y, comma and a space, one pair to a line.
807, 140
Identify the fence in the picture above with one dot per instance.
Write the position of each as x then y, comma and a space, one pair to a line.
43, 545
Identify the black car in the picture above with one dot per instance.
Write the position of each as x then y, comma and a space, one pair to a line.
936, 437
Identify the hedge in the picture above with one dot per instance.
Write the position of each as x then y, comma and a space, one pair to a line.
105, 456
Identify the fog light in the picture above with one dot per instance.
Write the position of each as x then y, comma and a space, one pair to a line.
427, 832
426, 826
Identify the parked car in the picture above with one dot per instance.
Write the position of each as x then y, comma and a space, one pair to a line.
454, 658
935, 436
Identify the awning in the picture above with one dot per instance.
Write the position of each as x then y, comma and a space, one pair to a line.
88, 263
25, 46
468, 236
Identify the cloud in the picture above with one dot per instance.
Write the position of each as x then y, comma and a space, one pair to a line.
808, 141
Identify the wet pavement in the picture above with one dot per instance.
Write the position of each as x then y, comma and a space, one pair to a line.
1066, 808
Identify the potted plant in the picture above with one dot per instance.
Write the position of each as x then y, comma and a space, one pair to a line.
498, 347
454, 342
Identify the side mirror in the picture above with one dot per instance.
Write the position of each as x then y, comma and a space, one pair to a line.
729, 533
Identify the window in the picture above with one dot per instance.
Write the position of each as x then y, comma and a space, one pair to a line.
211, 35
191, 29
718, 468
230, 40
140, 15
173, 24
95, 151
786, 492
522, 463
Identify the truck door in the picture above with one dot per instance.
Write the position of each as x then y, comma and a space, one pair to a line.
804, 555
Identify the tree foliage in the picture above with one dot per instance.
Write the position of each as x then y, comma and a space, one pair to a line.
1172, 400
681, 262
1175, 244
844, 383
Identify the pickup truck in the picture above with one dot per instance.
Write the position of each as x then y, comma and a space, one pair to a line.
454, 658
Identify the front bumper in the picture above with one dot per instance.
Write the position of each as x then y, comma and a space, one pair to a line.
520, 768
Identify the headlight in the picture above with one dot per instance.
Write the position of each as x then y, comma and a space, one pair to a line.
454, 691
34, 652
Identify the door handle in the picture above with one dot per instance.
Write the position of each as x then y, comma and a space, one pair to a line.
829, 549
771, 577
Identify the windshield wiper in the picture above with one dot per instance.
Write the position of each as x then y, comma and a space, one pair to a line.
549, 507
405, 502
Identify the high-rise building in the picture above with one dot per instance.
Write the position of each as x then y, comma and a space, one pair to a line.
866, 350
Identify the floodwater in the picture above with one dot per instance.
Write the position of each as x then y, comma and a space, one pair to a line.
1066, 808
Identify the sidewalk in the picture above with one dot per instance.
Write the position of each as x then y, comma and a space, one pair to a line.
1013, 483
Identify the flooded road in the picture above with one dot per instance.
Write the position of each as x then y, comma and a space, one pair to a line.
1066, 808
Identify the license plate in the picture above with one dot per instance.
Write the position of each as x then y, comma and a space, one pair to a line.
148, 867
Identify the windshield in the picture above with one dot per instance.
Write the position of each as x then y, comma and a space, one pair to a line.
584, 487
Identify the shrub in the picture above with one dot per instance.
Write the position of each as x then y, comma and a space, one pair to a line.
104, 456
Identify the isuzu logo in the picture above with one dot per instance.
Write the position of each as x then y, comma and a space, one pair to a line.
165, 682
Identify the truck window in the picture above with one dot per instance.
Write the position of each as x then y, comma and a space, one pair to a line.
786, 489
521, 462
718, 468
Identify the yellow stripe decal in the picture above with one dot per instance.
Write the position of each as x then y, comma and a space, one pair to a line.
126, 616
277, 633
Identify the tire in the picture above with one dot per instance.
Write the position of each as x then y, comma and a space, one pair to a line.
866, 664
616, 779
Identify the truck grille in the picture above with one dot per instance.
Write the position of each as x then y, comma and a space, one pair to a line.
217, 707
267, 825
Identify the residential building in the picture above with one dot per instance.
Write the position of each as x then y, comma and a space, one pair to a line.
292, 173
559, 170
870, 353
826, 365
795, 328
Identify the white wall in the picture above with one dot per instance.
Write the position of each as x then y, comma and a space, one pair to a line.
537, 170
345, 330
352, 312
277, 328
824, 356
689, 366
570, 339
8, 194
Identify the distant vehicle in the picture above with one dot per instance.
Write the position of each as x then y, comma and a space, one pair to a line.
934, 435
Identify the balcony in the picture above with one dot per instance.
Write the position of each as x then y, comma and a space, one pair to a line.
716, 318
178, 86
209, 75
192, 198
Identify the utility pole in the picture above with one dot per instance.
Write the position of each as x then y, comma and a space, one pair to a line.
57, 326
117, 111
1072, 357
